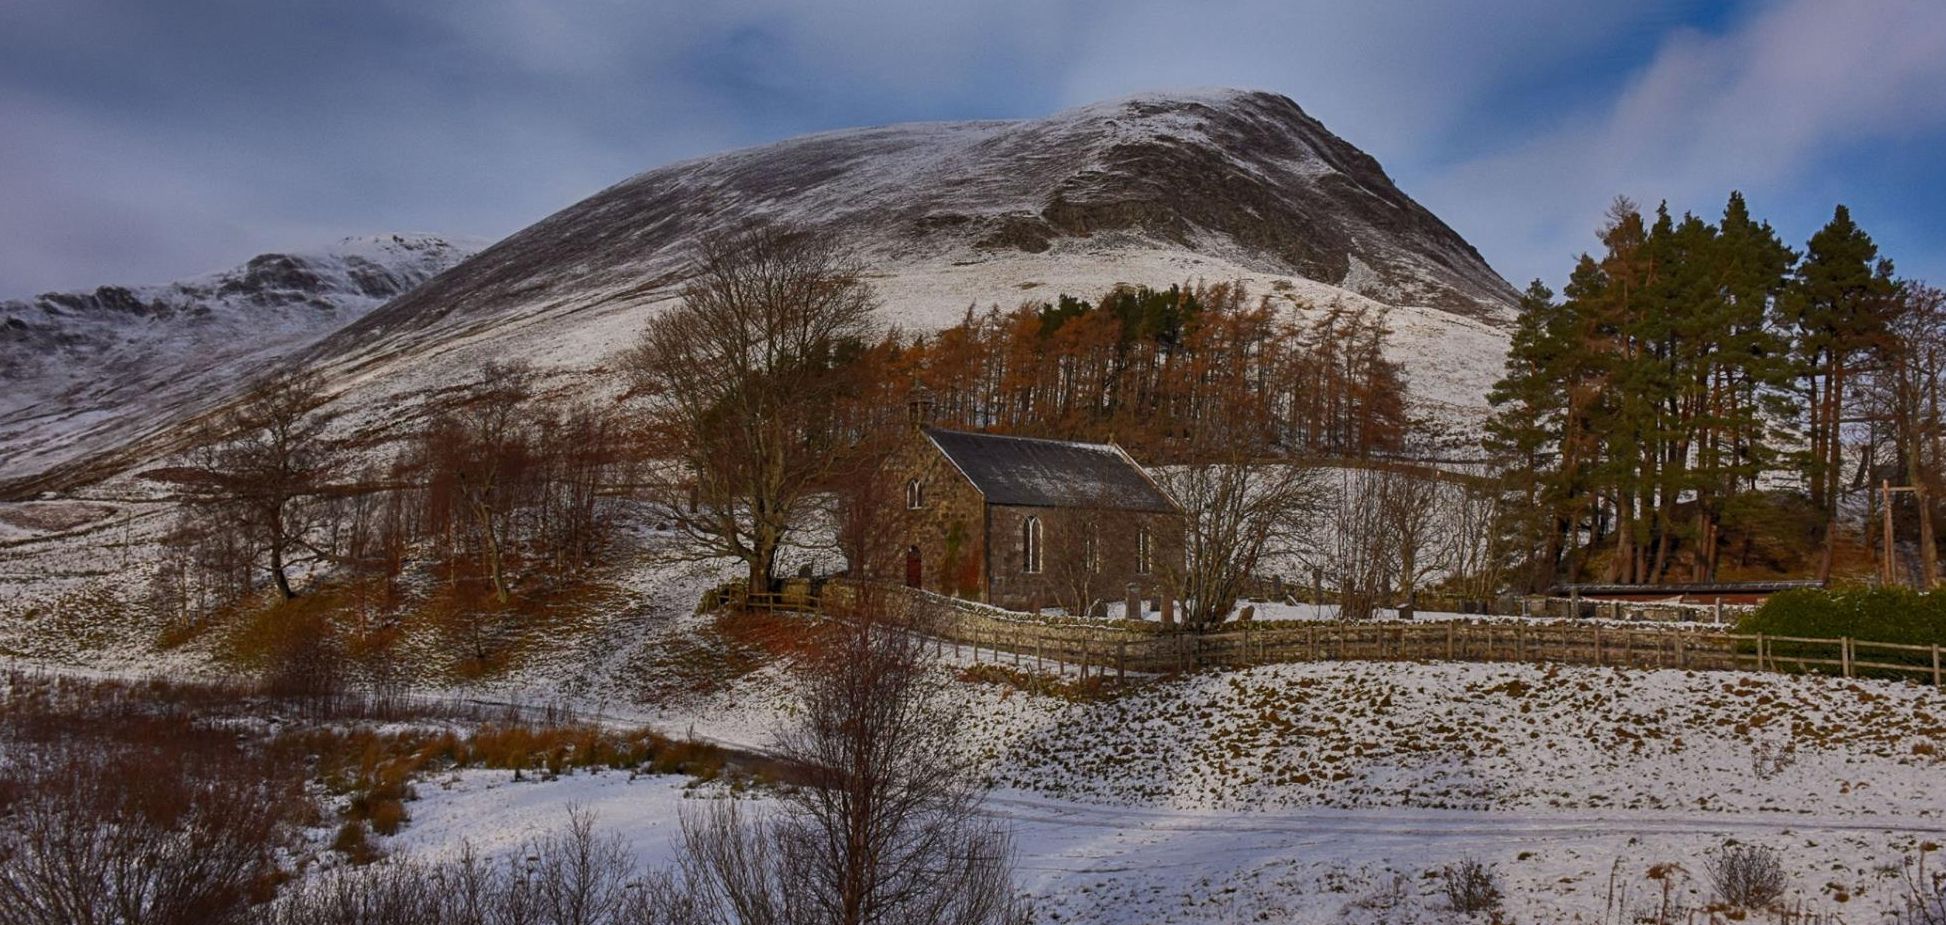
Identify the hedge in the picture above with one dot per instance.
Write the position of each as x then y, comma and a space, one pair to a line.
1894, 615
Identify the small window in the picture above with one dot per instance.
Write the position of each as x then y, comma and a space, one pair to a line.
915, 495
1144, 554
1030, 546
1090, 552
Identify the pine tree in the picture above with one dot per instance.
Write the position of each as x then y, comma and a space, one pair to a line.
1838, 304
1524, 433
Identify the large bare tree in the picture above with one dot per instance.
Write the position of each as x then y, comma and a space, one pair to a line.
1412, 504
740, 380
1902, 393
1237, 515
263, 476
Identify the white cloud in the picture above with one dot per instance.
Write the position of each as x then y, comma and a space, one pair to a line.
1396, 79
1753, 109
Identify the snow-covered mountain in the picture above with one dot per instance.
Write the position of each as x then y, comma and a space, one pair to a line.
1243, 180
86, 372
1153, 189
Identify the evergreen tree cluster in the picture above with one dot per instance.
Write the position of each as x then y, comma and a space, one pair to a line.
1645, 415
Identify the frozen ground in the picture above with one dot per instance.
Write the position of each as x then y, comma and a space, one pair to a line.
1302, 793
1121, 864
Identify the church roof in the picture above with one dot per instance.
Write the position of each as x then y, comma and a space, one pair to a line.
1051, 473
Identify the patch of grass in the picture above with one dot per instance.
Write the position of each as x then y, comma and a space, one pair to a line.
1093, 689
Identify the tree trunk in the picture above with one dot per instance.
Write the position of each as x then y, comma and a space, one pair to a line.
277, 572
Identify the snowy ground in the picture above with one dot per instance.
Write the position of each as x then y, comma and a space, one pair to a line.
1335, 792
1121, 864
1304, 792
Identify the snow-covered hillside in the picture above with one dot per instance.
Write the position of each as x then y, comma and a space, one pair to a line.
85, 372
1154, 190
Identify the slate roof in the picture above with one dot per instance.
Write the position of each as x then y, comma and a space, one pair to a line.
1051, 473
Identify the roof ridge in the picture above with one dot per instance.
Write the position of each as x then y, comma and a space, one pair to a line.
1111, 447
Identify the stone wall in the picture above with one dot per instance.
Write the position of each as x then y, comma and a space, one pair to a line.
1070, 577
948, 528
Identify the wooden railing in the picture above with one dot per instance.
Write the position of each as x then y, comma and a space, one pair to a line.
1102, 649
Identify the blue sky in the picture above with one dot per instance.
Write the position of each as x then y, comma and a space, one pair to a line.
143, 141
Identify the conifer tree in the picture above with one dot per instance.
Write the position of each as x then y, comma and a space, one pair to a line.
1839, 302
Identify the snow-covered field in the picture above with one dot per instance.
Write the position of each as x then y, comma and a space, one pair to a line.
1127, 864
1328, 792
1334, 793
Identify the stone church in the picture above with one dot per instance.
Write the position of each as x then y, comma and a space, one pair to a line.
1026, 523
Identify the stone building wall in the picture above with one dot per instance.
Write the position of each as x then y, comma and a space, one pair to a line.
1069, 576
948, 528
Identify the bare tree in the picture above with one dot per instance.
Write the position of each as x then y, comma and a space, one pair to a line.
1353, 552
490, 445
886, 829
1473, 549
871, 508
149, 833
1411, 506
740, 381
1236, 516
1903, 393
264, 477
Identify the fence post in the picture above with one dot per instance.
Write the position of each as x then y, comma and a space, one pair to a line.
1844, 654
1121, 659
1598, 644
1935, 666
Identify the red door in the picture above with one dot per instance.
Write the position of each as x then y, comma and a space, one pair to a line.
915, 570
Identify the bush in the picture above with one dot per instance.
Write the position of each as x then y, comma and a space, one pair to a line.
1894, 615
573, 877
1746, 876
1471, 886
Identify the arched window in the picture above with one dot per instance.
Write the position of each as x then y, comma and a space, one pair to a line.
1030, 546
915, 495
1144, 553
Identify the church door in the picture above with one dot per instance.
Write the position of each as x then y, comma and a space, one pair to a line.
915, 570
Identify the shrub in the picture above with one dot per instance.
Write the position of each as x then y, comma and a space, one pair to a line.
1471, 886
1747, 876
353, 843
573, 876
156, 833
1894, 615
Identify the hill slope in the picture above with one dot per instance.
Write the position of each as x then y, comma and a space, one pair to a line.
89, 371
1155, 189
1246, 179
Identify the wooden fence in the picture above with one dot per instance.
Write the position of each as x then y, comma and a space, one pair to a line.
1111, 650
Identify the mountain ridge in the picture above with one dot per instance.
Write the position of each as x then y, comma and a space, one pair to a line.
1152, 189
1246, 176
88, 369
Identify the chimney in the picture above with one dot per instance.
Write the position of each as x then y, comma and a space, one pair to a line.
919, 407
